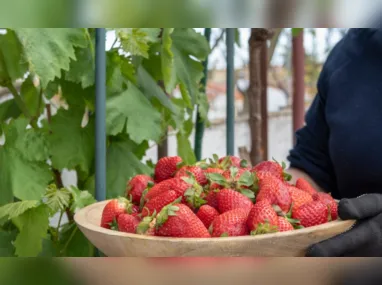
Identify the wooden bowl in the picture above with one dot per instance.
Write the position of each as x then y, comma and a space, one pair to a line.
118, 244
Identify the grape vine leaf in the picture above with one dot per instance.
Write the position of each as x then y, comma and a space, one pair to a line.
6, 247
136, 41
73, 243
122, 164
20, 175
167, 60
8, 109
48, 50
12, 62
185, 150
31, 96
57, 199
33, 226
81, 198
16, 209
118, 70
188, 71
71, 145
130, 112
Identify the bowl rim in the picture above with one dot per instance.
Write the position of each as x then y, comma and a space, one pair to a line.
81, 220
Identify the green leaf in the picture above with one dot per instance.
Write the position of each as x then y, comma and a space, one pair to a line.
20, 175
6, 247
167, 61
33, 145
31, 96
248, 193
186, 43
216, 178
247, 179
16, 209
81, 198
203, 107
71, 145
48, 51
8, 109
130, 112
237, 37
185, 150
51, 89
57, 199
33, 224
82, 69
296, 31
73, 243
12, 62
224, 235
136, 41
122, 164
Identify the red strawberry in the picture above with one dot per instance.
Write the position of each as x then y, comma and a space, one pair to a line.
136, 186
229, 199
178, 220
271, 167
275, 191
127, 223
311, 214
166, 168
147, 226
231, 223
228, 161
214, 170
299, 197
329, 201
196, 171
176, 184
207, 214
284, 225
262, 218
304, 185
158, 202
113, 209
212, 199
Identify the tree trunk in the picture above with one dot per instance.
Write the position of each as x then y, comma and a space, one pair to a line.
256, 86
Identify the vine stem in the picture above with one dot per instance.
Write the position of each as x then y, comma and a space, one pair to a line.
20, 104
69, 239
59, 221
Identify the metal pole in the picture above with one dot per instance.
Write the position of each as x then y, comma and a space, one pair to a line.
100, 82
298, 56
230, 34
264, 99
199, 127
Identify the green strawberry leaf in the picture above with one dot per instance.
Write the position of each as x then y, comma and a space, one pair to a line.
224, 235
216, 178
33, 225
243, 163
233, 170
248, 193
48, 51
246, 179
57, 199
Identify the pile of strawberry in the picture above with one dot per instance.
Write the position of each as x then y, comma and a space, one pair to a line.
219, 198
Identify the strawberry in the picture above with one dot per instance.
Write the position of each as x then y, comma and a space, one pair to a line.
214, 170
127, 223
113, 209
272, 167
212, 199
156, 204
234, 178
166, 168
228, 161
311, 214
176, 184
304, 185
178, 220
207, 214
194, 170
231, 223
284, 225
147, 226
135, 209
299, 197
329, 201
275, 191
136, 186
229, 199
262, 218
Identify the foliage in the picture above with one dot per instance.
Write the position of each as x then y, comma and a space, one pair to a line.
48, 123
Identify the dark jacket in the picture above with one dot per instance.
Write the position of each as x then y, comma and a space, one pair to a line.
340, 146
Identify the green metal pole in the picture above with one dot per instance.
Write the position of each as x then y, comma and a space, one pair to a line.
100, 137
230, 40
199, 126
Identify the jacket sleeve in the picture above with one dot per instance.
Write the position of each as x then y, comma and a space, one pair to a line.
311, 152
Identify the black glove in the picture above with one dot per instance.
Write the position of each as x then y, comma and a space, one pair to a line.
364, 239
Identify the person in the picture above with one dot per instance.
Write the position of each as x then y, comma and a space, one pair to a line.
339, 149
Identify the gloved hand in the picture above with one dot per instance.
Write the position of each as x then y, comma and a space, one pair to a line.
364, 239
